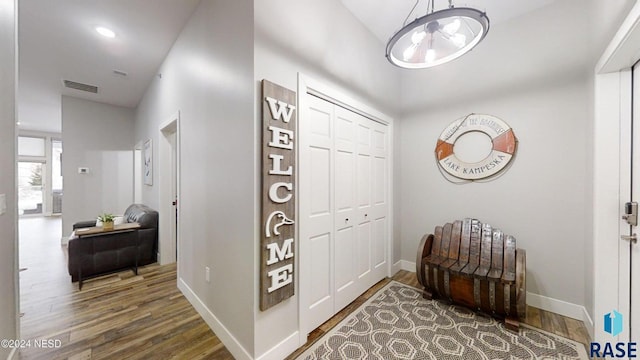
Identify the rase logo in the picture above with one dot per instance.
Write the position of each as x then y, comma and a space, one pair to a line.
613, 324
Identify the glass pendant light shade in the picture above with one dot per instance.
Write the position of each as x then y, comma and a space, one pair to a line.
437, 38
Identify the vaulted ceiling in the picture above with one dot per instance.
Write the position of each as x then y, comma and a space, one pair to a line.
57, 41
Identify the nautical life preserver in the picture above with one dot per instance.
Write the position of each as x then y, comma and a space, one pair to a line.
502, 151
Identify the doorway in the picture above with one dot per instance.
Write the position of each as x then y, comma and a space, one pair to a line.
31, 182
615, 261
169, 188
634, 248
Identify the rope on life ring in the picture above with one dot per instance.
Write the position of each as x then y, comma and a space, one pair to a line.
503, 150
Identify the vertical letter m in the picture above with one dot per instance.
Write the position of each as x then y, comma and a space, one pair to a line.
277, 254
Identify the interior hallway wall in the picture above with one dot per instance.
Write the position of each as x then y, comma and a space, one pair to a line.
208, 77
8, 220
324, 41
543, 199
99, 137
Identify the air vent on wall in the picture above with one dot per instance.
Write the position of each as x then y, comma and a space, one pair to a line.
80, 86
120, 72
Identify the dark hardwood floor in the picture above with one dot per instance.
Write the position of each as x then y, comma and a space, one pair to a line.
118, 316
124, 316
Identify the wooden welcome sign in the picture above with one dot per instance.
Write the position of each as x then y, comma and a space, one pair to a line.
279, 126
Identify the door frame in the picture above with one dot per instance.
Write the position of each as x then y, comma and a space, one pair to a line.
166, 244
307, 86
612, 120
634, 249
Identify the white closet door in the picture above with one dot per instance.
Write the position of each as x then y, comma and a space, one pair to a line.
379, 214
346, 184
317, 230
343, 207
364, 204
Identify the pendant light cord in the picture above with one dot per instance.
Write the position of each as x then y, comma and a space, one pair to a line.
410, 12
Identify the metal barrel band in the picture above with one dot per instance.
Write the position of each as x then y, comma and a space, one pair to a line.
426, 278
447, 289
507, 299
476, 293
492, 296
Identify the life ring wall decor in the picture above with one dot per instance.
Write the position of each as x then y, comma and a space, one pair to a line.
502, 151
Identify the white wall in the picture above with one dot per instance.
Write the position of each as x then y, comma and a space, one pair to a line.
324, 41
507, 77
541, 199
8, 228
208, 77
100, 137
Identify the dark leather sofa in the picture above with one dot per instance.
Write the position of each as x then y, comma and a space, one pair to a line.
98, 254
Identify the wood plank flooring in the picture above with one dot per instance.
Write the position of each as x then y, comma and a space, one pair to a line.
124, 316
118, 316
121, 316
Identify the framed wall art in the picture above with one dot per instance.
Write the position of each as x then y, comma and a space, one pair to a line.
148, 162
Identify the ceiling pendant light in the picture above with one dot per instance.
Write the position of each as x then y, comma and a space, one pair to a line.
437, 37
108, 33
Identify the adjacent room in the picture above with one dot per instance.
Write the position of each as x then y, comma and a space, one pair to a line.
315, 179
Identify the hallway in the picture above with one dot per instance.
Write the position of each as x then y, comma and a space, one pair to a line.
120, 315
145, 317
45, 260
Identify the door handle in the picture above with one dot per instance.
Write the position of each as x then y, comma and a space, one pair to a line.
631, 238
631, 213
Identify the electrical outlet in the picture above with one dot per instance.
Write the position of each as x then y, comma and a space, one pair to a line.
207, 272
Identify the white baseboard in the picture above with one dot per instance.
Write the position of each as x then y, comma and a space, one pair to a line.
561, 307
406, 265
282, 349
588, 323
564, 308
232, 344
397, 266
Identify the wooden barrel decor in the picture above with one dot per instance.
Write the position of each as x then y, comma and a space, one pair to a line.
473, 264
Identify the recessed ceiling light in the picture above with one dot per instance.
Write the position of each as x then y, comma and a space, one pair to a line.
105, 32
18, 123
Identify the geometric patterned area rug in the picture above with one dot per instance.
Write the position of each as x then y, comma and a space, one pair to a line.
397, 323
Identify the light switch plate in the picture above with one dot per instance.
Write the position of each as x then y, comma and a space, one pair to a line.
3, 204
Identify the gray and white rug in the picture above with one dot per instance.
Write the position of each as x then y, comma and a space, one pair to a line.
397, 323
